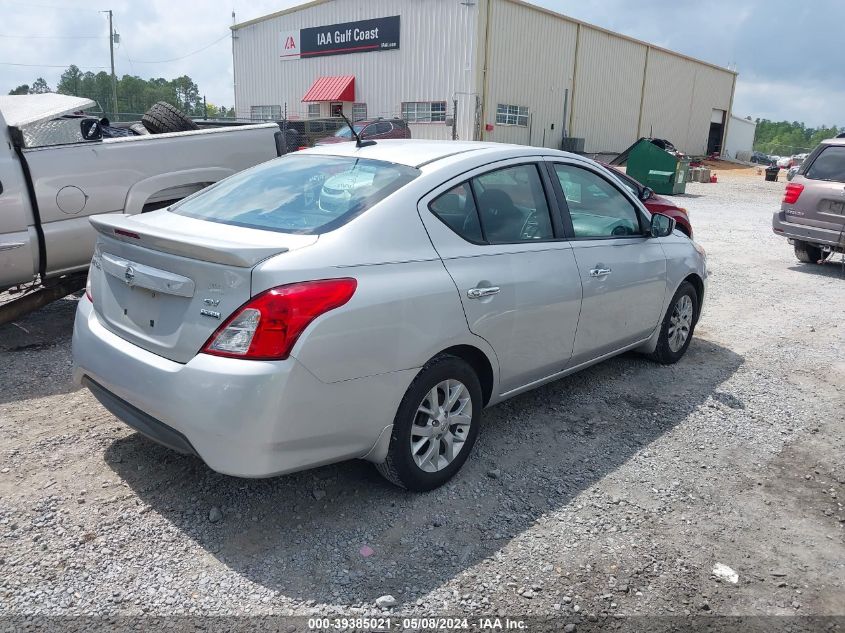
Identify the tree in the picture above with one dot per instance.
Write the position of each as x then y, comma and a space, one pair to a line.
211, 110
785, 138
39, 86
135, 95
187, 93
70, 81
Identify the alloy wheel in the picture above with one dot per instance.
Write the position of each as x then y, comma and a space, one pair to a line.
441, 425
680, 323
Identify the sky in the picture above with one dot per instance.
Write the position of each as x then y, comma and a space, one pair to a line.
788, 54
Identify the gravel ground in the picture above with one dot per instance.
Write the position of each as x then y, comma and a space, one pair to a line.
613, 492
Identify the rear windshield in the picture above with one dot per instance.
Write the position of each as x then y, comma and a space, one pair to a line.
298, 193
828, 165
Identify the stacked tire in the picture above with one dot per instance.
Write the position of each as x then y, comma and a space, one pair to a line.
162, 118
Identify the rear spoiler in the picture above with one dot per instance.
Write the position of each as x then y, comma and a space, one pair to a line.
241, 253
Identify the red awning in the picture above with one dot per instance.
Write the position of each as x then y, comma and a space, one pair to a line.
332, 89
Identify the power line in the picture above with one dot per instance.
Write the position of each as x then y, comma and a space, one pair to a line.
131, 61
32, 5
53, 37
122, 46
174, 59
48, 65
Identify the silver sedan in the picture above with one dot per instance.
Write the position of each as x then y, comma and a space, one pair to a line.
368, 302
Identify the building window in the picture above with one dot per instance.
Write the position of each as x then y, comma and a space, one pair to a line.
359, 111
313, 110
511, 115
335, 109
424, 111
265, 113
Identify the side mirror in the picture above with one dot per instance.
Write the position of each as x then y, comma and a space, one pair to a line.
661, 225
91, 130
646, 193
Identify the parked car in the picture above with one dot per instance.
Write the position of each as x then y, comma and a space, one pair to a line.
309, 131
58, 168
784, 162
761, 159
655, 203
798, 160
812, 215
376, 129
368, 302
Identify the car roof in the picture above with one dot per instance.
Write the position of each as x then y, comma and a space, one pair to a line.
417, 152
834, 141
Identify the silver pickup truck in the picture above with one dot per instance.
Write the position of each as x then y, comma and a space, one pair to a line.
57, 169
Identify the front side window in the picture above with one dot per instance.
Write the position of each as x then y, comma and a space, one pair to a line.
424, 111
298, 193
630, 185
511, 115
828, 165
265, 113
382, 127
597, 208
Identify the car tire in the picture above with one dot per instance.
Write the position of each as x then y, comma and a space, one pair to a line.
163, 117
809, 254
138, 129
680, 318
429, 466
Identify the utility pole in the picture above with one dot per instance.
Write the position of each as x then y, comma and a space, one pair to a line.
113, 76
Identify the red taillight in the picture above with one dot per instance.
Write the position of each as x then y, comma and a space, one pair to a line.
267, 326
126, 233
793, 190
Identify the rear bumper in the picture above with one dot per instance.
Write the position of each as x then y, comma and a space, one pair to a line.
242, 418
804, 232
140, 421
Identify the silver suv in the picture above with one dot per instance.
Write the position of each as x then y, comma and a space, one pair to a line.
812, 215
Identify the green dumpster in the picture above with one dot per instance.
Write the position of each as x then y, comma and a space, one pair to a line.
654, 167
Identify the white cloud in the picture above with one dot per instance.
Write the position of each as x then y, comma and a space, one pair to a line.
813, 103
718, 31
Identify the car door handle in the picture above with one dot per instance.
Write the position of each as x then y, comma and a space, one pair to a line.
479, 293
600, 272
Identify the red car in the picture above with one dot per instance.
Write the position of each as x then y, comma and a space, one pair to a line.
375, 129
656, 203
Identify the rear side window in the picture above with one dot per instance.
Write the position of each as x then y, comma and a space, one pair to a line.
829, 165
456, 209
512, 205
298, 193
505, 206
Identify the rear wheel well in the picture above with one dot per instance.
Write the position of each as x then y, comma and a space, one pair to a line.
479, 362
698, 284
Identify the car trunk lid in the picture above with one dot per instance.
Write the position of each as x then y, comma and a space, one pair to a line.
166, 282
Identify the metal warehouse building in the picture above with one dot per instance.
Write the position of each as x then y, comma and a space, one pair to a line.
508, 70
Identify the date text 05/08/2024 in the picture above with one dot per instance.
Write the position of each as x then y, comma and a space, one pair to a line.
416, 624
